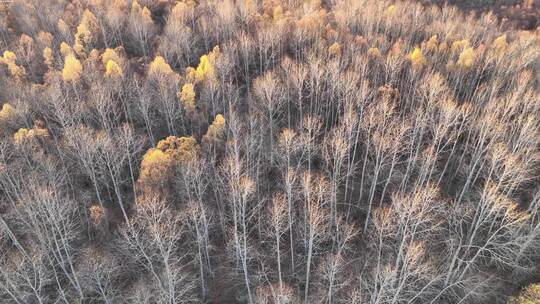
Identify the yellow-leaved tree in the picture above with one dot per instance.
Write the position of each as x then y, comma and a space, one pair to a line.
187, 97
24, 134
63, 27
65, 49
48, 56
87, 32
159, 67
391, 10
113, 70
216, 132
334, 49
45, 38
432, 44
135, 7
417, 58
181, 10
20, 135
529, 295
374, 53
72, 69
7, 112
500, 44
459, 45
277, 13
9, 58
143, 12
159, 162
466, 58
205, 69
111, 54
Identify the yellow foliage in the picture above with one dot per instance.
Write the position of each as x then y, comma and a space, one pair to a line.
154, 158
391, 10
79, 49
180, 149
62, 26
143, 12
45, 38
20, 135
90, 21
187, 97
169, 153
432, 44
335, 49
38, 132
374, 53
16, 71
87, 32
205, 69
500, 44
24, 134
72, 69
146, 15
83, 34
214, 54
312, 21
277, 14
466, 58
217, 129
459, 45
9, 57
417, 58
93, 56
190, 73
48, 56
154, 165
26, 41
159, 67
110, 54
180, 10
112, 69
529, 295
331, 34
65, 49
6, 112
135, 7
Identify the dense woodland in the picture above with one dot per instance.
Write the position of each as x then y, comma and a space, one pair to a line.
338, 151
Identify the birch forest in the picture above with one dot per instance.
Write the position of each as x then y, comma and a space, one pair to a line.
267, 152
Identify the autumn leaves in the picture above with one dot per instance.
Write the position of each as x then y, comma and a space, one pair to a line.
175, 151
